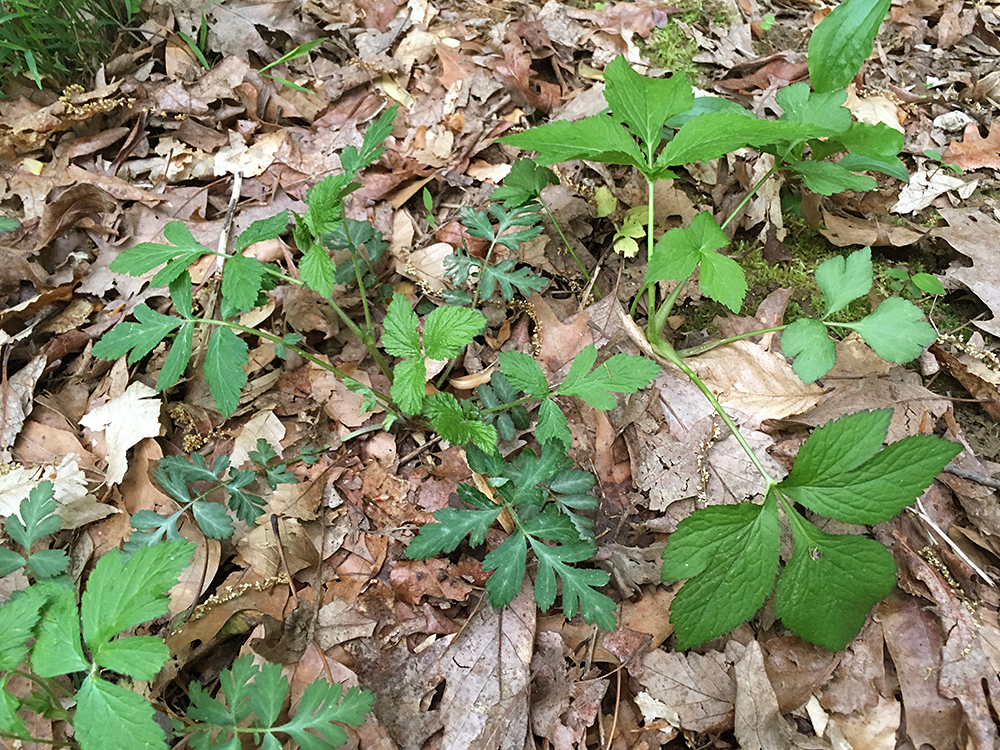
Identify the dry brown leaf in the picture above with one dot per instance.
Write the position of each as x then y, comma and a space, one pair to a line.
16, 399
974, 234
796, 669
125, 421
974, 151
846, 231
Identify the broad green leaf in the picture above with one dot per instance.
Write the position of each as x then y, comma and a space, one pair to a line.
896, 330
122, 595
401, 338
723, 279
225, 356
138, 337
458, 423
178, 356
645, 104
241, 281
451, 528
827, 178
318, 710
810, 347
597, 138
578, 584
18, 617
448, 330
263, 229
679, 251
58, 648
212, 519
729, 554
843, 41
891, 166
37, 516
879, 143
840, 446
112, 718
552, 425
523, 183
881, 487
826, 110
524, 372
139, 656
317, 270
831, 583
507, 563
842, 280
409, 383
622, 373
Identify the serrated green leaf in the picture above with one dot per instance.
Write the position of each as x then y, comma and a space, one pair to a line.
58, 648
318, 710
18, 617
448, 330
180, 295
554, 525
178, 357
212, 519
507, 563
896, 330
645, 104
881, 487
326, 203
572, 482
37, 516
317, 271
622, 373
596, 138
144, 257
262, 230
112, 718
225, 356
9, 706
48, 563
723, 279
552, 425
138, 337
139, 656
831, 583
729, 554
579, 585
401, 338
241, 281
840, 446
842, 280
458, 423
843, 41
810, 346
679, 251
452, 527
523, 183
121, 595
267, 693
10, 561
409, 383
508, 279
827, 178
485, 463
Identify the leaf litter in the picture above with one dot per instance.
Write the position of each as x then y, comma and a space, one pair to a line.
325, 589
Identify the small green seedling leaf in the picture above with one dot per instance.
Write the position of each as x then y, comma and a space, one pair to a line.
843, 280
622, 373
896, 330
927, 283
813, 351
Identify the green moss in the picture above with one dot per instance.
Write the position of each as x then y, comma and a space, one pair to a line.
669, 47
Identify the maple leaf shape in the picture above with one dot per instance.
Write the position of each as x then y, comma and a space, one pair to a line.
974, 151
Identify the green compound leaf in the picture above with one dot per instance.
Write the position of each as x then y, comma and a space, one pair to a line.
318, 710
448, 330
58, 648
241, 281
729, 554
317, 271
843, 41
896, 330
622, 373
144, 257
401, 337
598, 138
552, 425
139, 338
809, 345
451, 528
831, 583
122, 595
524, 372
409, 383
504, 275
843, 280
645, 104
263, 229
578, 584
37, 516
225, 356
840, 446
508, 563
113, 718
827, 178
458, 423
10, 561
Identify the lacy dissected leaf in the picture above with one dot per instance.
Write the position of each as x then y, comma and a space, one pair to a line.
262, 230
504, 275
448, 330
58, 649
827, 178
508, 564
318, 710
137, 339
523, 183
844, 478
241, 281
831, 583
123, 594
729, 554
597, 138
212, 519
112, 718
144, 257
452, 527
37, 516
401, 337
843, 41
842, 280
552, 425
458, 423
622, 373
645, 104
579, 585
896, 330
812, 350
317, 271
524, 372
225, 356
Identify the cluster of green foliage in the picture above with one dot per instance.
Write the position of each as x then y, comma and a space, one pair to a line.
80, 658
59, 39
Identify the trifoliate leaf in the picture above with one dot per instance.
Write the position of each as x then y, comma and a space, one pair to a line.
524, 372
552, 425
843, 280
409, 383
225, 356
140, 337
58, 649
831, 583
263, 229
679, 251
317, 271
241, 281
622, 373
401, 338
507, 561
645, 104
113, 718
896, 330
578, 584
121, 595
810, 346
729, 554
448, 330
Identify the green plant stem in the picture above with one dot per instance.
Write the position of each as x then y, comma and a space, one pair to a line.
569, 247
650, 187
48, 686
709, 345
503, 407
38, 740
750, 194
357, 270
